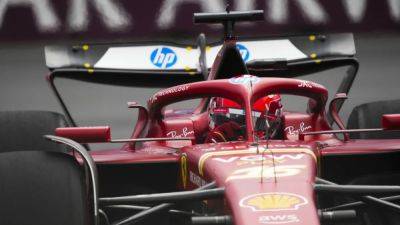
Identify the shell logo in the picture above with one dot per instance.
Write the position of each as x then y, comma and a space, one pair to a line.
274, 201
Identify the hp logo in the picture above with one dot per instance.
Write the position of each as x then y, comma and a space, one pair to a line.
163, 57
243, 51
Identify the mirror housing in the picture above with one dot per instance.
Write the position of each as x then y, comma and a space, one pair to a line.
391, 122
100, 134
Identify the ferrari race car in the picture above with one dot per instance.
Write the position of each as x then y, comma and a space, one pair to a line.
239, 156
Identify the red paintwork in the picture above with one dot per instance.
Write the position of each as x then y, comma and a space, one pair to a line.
299, 167
361, 147
236, 165
296, 123
240, 93
86, 134
143, 118
391, 121
334, 112
288, 179
153, 154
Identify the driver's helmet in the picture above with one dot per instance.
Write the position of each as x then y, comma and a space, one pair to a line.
266, 109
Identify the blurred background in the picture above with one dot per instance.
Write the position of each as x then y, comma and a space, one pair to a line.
26, 26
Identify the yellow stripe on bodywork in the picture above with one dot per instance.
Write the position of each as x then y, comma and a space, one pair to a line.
184, 170
208, 155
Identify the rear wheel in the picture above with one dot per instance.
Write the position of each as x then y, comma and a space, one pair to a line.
369, 115
24, 130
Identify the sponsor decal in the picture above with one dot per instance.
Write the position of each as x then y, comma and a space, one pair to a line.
232, 147
306, 84
235, 146
168, 91
158, 151
243, 51
252, 150
185, 132
266, 171
163, 57
278, 219
196, 179
221, 111
273, 201
205, 149
184, 170
291, 130
245, 79
258, 158
288, 145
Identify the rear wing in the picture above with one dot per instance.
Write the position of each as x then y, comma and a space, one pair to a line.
151, 64
196, 59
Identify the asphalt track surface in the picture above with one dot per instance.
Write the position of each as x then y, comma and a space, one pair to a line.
23, 85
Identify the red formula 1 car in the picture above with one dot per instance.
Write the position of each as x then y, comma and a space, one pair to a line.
239, 156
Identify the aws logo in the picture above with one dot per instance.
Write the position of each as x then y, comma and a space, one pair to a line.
278, 219
244, 52
163, 57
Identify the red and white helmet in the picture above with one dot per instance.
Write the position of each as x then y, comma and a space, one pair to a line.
224, 110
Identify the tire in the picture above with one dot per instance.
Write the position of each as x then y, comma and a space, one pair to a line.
24, 130
369, 116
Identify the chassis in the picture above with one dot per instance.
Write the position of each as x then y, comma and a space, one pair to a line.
313, 175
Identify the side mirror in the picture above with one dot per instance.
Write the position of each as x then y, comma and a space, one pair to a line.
86, 134
391, 122
143, 118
